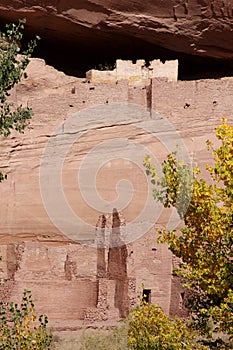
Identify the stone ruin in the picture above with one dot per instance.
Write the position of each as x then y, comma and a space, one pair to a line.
112, 278
92, 285
136, 73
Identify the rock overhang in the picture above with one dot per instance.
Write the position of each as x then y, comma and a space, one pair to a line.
94, 30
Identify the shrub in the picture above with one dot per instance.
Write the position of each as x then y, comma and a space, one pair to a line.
20, 328
151, 329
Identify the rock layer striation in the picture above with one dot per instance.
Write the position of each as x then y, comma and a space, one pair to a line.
75, 274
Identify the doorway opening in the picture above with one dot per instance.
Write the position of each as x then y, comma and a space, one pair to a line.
146, 295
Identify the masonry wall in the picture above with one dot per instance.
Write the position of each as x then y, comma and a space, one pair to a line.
189, 104
150, 264
63, 283
135, 73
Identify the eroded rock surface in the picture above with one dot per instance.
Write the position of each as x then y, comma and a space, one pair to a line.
193, 27
71, 276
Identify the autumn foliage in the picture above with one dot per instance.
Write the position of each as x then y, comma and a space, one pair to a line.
205, 243
151, 329
21, 329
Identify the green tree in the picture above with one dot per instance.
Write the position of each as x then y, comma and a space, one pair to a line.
205, 243
13, 62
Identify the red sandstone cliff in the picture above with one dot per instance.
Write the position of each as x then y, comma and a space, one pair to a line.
64, 275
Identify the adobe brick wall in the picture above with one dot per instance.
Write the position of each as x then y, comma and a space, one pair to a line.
189, 104
137, 73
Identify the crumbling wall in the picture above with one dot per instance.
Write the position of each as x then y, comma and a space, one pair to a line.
135, 73
149, 263
61, 279
117, 265
179, 294
112, 256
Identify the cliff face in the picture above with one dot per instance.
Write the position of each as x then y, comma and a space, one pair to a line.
81, 156
98, 113
193, 27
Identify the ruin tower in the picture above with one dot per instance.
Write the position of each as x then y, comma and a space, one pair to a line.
112, 257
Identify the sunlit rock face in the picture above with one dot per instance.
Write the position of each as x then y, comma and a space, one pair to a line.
82, 236
202, 28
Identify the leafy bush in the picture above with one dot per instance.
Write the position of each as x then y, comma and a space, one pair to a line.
151, 329
21, 329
